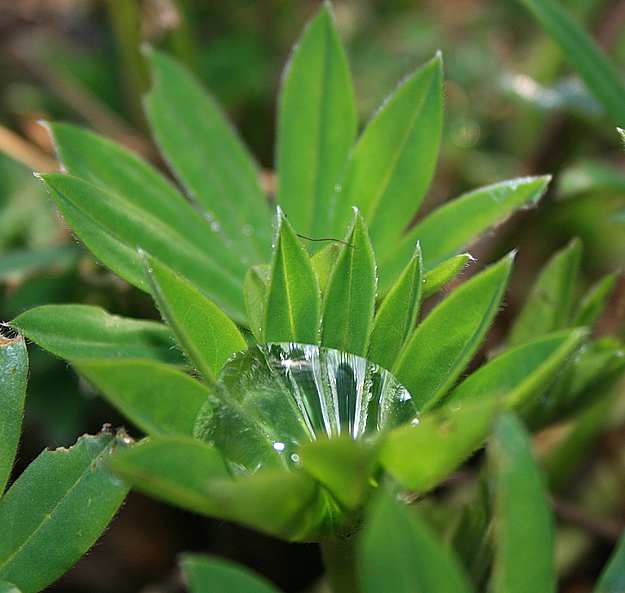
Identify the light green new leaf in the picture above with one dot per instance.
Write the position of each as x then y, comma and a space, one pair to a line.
464, 220
594, 301
399, 552
444, 343
255, 291
435, 279
216, 575
349, 300
6, 587
158, 399
209, 159
85, 331
520, 374
13, 376
293, 302
612, 578
523, 521
392, 164
397, 315
316, 126
602, 78
114, 229
56, 509
205, 332
550, 302
421, 455
323, 262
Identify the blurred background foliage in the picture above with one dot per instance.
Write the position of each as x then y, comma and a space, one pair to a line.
513, 107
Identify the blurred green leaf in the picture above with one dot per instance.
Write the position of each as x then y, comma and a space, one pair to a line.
584, 55
293, 303
435, 279
85, 331
113, 229
594, 301
392, 164
206, 334
443, 344
422, 454
523, 522
397, 315
612, 578
349, 300
56, 509
13, 377
550, 302
158, 399
400, 553
209, 159
26, 262
215, 575
6, 587
316, 126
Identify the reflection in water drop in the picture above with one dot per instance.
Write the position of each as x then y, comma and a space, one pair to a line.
215, 226
248, 230
278, 446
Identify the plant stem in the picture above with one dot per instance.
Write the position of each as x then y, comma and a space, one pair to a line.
339, 558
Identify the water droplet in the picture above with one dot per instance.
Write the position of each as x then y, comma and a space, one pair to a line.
243, 259
338, 187
248, 230
279, 446
455, 406
415, 421
209, 215
295, 458
215, 226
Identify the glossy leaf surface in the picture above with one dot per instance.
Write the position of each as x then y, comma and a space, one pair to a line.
316, 126
349, 300
205, 332
400, 553
293, 302
523, 522
209, 159
13, 377
85, 331
205, 574
446, 340
158, 399
45, 530
392, 164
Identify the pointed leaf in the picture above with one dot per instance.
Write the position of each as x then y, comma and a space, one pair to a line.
156, 398
255, 290
349, 300
594, 301
316, 126
293, 302
550, 302
56, 510
435, 279
400, 553
13, 376
216, 575
85, 331
397, 315
446, 340
209, 159
523, 521
113, 229
392, 164
323, 262
205, 332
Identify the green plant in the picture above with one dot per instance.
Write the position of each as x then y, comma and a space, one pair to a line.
339, 402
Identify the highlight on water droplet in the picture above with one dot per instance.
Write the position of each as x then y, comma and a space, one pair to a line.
279, 446
215, 226
415, 421
248, 230
208, 215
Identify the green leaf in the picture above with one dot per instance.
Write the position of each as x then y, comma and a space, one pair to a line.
400, 553
204, 331
520, 374
13, 377
601, 77
6, 587
56, 510
85, 331
25, 262
397, 315
215, 575
113, 229
392, 164
444, 343
594, 301
349, 300
316, 126
550, 302
435, 279
293, 302
255, 290
464, 220
156, 398
422, 454
209, 159
523, 521
612, 578
323, 262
